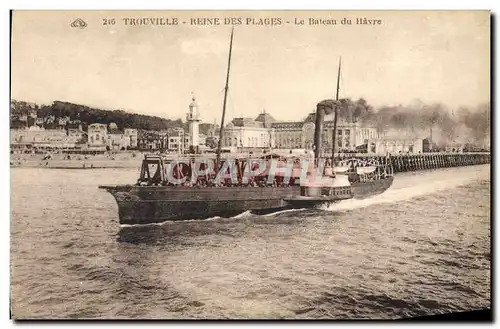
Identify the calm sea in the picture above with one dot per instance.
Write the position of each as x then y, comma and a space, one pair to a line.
421, 248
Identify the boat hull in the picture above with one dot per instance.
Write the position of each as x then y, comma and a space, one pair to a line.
313, 202
156, 204
145, 205
371, 188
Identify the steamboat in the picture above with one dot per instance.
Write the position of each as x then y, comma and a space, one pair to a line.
199, 188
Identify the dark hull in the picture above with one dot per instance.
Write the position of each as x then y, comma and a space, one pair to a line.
156, 204
369, 189
313, 202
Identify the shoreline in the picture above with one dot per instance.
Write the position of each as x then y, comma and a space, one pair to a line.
77, 164
413, 162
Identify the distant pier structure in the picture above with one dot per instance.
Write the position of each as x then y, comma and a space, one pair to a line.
424, 161
193, 118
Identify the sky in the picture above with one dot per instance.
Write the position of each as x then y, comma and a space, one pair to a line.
285, 70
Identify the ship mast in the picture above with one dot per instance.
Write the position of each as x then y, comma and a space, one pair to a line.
219, 144
334, 133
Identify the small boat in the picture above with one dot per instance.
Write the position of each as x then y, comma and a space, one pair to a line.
365, 170
341, 169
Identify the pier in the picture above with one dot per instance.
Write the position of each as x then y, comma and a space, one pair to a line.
424, 161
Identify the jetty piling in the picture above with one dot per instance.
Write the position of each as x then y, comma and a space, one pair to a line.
424, 161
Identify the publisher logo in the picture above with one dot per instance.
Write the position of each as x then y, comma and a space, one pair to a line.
79, 23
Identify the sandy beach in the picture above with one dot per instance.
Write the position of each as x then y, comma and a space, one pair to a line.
77, 161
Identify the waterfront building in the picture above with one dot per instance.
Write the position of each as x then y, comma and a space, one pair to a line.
152, 141
247, 133
36, 137
117, 140
97, 135
76, 133
113, 139
178, 141
131, 135
293, 135
266, 132
454, 147
392, 145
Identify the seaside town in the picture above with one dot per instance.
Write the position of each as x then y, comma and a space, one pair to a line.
338, 173
65, 138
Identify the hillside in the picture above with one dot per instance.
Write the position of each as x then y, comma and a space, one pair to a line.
66, 114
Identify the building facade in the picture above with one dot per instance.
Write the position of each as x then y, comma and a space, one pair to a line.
395, 145
454, 147
36, 137
265, 132
247, 133
152, 141
292, 135
178, 141
97, 135
131, 135
77, 133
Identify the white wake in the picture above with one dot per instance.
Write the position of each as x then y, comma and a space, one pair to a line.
411, 185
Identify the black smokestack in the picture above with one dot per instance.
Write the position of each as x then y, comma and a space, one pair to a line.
320, 116
322, 108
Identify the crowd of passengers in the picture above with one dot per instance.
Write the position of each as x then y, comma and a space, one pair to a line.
259, 181
205, 182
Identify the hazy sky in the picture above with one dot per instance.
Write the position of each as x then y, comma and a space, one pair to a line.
433, 56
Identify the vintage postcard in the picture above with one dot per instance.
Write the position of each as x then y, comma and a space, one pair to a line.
250, 165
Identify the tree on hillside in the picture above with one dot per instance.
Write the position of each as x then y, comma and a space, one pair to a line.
88, 115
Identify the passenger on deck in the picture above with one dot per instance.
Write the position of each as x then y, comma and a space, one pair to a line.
328, 169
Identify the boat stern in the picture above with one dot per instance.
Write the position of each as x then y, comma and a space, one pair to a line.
327, 190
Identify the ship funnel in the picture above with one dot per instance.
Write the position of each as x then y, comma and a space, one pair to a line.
322, 108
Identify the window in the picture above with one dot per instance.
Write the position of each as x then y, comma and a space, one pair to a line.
339, 132
347, 132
